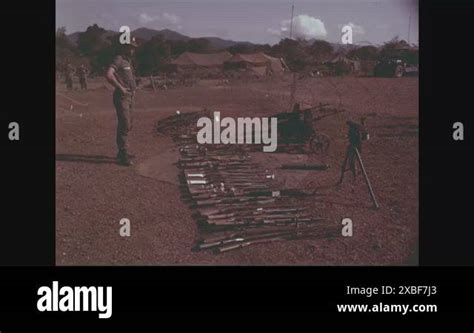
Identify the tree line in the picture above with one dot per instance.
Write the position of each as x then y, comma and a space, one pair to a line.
96, 48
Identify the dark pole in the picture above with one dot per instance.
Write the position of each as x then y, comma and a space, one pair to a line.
409, 28
372, 195
291, 22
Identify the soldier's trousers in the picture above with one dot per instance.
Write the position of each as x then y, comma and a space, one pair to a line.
69, 83
124, 108
83, 83
350, 158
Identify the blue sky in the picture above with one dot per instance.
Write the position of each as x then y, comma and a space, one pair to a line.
260, 21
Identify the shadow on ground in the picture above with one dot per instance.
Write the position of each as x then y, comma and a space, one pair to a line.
96, 159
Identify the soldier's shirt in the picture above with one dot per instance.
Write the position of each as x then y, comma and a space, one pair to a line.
355, 134
82, 72
69, 70
124, 72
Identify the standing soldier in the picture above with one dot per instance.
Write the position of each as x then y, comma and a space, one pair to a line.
82, 72
356, 135
120, 75
69, 76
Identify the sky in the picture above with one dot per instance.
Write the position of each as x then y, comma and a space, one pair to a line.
260, 21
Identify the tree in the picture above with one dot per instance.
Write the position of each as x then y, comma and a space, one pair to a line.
153, 55
399, 49
321, 50
295, 53
62, 41
199, 45
242, 48
92, 40
368, 52
265, 48
396, 43
65, 49
104, 55
177, 47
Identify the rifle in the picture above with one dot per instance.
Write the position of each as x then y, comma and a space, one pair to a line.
237, 244
234, 201
258, 231
261, 221
248, 208
251, 213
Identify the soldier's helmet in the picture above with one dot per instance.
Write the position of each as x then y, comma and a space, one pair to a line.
133, 42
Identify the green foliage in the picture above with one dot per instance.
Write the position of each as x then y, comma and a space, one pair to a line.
177, 47
153, 55
399, 49
92, 41
364, 53
199, 45
320, 51
65, 50
295, 52
98, 47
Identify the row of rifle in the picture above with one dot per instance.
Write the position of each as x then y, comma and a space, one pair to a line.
238, 203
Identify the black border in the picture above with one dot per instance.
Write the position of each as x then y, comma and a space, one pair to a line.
446, 177
28, 228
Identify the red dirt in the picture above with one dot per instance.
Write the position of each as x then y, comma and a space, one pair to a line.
93, 193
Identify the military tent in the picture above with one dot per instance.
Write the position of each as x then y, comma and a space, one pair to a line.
189, 60
260, 63
342, 65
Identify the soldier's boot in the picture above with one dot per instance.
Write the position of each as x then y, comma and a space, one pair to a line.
130, 156
124, 159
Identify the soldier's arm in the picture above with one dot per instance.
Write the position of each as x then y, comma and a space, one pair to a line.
110, 76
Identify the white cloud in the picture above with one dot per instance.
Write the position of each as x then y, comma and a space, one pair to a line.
145, 18
274, 32
163, 19
304, 26
172, 18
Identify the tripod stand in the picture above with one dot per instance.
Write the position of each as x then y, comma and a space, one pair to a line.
351, 153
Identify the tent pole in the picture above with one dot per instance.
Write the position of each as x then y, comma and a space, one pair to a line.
291, 22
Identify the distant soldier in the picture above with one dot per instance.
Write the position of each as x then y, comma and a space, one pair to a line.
356, 135
120, 75
69, 76
82, 73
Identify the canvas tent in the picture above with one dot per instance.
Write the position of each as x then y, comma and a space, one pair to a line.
189, 60
260, 63
343, 65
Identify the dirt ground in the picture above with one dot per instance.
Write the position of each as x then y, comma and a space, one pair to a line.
93, 193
